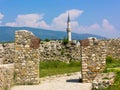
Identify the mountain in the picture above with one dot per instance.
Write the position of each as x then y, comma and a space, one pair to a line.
7, 34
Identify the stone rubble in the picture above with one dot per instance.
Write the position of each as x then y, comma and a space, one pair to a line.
103, 80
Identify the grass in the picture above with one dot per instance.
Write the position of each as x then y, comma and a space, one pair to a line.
56, 67
113, 65
50, 68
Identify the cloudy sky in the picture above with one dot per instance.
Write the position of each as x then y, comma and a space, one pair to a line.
100, 17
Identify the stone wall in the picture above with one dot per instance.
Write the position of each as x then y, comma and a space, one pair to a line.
113, 48
7, 53
6, 76
1, 54
26, 58
55, 50
93, 60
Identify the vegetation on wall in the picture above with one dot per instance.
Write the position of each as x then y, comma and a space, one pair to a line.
65, 41
113, 65
47, 40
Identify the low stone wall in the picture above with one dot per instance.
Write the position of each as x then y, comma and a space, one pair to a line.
93, 61
6, 76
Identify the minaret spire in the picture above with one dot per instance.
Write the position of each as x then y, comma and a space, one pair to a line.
68, 18
68, 28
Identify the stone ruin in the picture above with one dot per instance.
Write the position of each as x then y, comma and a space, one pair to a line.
27, 51
26, 58
93, 59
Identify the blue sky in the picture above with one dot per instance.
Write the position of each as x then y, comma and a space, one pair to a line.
100, 17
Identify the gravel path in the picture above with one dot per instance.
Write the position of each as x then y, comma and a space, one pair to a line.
66, 82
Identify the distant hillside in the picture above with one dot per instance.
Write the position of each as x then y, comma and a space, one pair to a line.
7, 34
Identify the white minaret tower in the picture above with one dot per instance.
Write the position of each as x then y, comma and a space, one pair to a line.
68, 28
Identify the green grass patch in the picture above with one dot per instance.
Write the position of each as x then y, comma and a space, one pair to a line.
50, 68
111, 62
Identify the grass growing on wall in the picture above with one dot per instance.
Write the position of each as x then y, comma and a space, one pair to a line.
113, 65
49, 68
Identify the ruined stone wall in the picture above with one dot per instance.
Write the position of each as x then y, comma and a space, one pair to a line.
55, 50
6, 76
26, 58
7, 53
93, 60
52, 50
113, 48
1, 54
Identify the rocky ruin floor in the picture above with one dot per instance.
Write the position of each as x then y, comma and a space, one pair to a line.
59, 82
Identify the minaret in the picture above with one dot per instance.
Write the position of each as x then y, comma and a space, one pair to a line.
68, 28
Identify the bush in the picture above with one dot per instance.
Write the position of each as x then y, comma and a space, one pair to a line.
47, 40
109, 59
65, 41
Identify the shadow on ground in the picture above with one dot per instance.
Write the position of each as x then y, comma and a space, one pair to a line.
74, 80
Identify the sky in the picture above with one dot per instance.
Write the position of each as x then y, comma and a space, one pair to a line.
100, 17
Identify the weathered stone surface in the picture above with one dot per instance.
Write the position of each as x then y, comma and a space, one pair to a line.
26, 58
103, 80
113, 48
85, 42
7, 53
93, 61
55, 50
35, 42
6, 76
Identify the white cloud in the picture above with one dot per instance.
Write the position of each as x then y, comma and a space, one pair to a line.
59, 23
43, 24
106, 25
95, 26
31, 20
11, 24
105, 29
1, 16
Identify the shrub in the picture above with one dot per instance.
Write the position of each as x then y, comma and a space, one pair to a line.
65, 41
109, 59
47, 40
